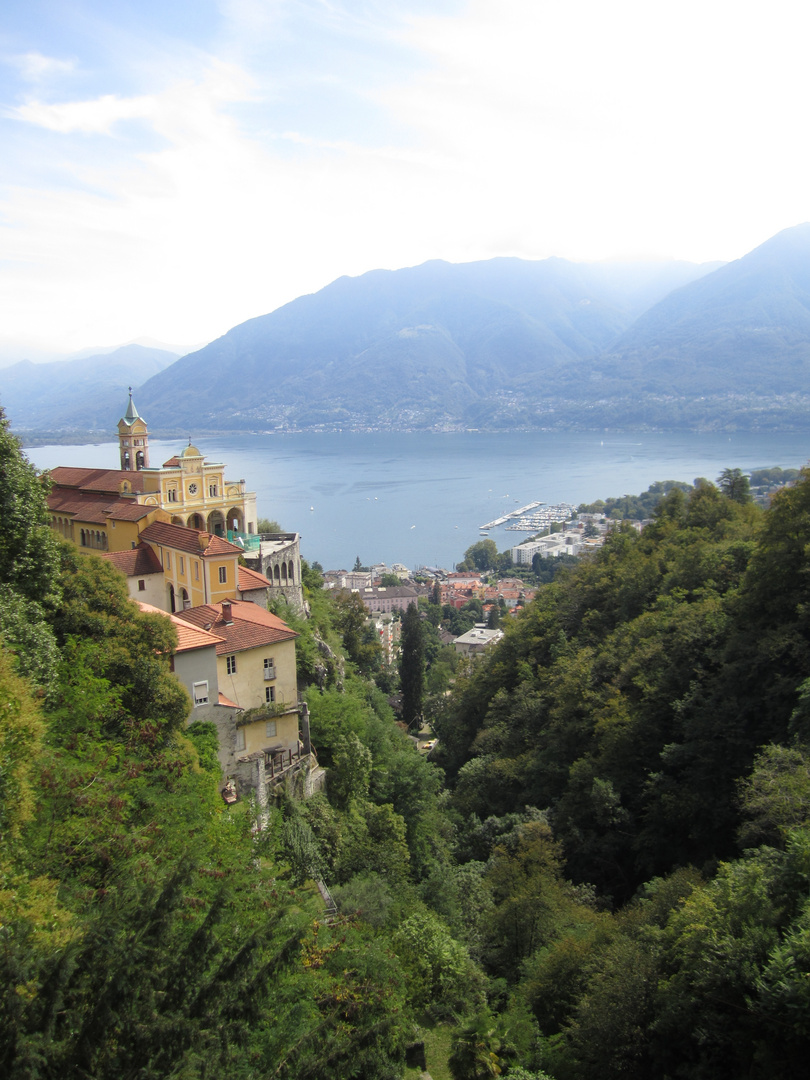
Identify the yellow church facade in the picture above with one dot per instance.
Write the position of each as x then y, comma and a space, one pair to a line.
107, 509
194, 491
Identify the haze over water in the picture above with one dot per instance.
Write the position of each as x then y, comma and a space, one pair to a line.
419, 498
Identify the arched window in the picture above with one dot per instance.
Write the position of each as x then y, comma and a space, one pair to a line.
172, 603
185, 599
291, 575
276, 575
84, 539
283, 573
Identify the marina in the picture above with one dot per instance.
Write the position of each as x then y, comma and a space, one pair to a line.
507, 517
544, 519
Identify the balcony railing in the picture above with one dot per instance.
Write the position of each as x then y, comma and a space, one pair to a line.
248, 541
269, 673
279, 762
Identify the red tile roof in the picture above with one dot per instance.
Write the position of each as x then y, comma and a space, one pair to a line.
96, 479
188, 637
184, 539
251, 579
137, 562
124, 510
191, 637
95, 509
251, 625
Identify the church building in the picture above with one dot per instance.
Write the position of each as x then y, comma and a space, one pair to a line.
107, 509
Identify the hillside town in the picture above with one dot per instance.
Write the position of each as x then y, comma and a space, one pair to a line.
186, 538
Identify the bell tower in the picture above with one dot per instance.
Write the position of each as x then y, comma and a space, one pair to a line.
133, 439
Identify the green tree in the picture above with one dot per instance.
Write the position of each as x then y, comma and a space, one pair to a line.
483, 555
21, 732
474, 1049
734, 485
266, 525
350, 774
441, 975
29, 552
412, 666
359, 639
390, 581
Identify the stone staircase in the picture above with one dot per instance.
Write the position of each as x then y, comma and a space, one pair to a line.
329, 904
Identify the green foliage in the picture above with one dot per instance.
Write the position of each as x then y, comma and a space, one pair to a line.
29, 560
734, 485
775, 798
441, 975
412, 666
635, 507
608, 699
145, 928
121, 644
359, 638
350, 774
367, 896
532, 905
21, 732
475, 1046
546, 567
311, 576
373, 840
26, 632
266, 525
482, 555
203, 734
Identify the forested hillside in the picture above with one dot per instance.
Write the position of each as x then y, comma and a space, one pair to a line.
608, 875
654, 705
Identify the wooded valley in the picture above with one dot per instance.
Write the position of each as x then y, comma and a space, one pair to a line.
603, 868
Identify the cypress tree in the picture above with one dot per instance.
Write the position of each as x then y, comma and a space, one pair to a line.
412, 666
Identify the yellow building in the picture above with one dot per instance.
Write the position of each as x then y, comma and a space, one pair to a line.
255, 671
198, 568
185, 490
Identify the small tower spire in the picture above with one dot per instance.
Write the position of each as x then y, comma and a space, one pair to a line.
131, 413
133, 439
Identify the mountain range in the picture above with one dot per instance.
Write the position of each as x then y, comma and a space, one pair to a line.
503, 343
84, 394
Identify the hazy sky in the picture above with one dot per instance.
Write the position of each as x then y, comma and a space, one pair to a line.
171, 168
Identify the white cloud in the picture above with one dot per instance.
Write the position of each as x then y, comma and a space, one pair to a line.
89, 117
34, 67
524, 127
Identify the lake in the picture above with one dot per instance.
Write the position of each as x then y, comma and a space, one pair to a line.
419, 498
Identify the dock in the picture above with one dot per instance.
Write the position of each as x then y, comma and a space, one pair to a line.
512, 514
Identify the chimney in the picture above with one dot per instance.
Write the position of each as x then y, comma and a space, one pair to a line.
227, 613
204, 540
